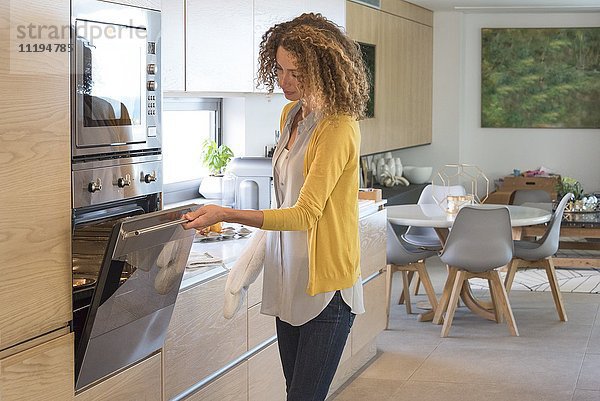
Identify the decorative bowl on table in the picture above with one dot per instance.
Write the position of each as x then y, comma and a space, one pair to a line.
417, 175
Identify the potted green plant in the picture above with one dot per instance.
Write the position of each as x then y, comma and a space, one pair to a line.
568, 184
215, 158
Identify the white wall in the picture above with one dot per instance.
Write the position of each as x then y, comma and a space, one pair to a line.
456, 107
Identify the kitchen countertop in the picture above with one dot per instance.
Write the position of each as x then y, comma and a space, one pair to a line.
226, 251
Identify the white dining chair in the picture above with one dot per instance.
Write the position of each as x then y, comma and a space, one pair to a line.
539, 253
426, 237
479, 242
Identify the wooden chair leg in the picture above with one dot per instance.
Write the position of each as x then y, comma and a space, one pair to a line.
494, 296
503, 303
401, 299
513, 266
417, 284
445, 298
389, 274
456, 288
406, 292
556, 294
427, 285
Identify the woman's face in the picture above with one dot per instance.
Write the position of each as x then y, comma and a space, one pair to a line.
287, 75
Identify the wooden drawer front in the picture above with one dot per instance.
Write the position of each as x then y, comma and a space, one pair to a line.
265, 375
372, 231
232, 386
260, 327
200, 340
139, 382
44, 372
255, 291
372, 322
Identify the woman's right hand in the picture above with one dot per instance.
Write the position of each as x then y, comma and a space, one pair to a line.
205, 216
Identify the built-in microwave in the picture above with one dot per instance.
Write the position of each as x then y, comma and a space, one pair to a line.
115, 84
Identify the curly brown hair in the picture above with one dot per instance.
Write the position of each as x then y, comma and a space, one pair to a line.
331, 71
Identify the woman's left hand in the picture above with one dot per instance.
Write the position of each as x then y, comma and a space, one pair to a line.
205, 216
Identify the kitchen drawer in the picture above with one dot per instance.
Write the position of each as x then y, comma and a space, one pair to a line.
200, 340
372, 231
141, 381
265, 376
232, 386
260, 327
43, 372
255, 291
368, 325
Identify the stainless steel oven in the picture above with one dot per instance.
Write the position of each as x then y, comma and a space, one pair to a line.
130, 307
115, 84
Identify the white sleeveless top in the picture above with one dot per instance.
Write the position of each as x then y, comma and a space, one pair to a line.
286, 259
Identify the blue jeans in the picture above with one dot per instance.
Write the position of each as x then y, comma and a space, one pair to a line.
310, 353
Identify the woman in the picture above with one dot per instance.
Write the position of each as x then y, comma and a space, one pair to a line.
312, 281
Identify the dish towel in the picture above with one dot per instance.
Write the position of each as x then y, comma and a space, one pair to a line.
244, 272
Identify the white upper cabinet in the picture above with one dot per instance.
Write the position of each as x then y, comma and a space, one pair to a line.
213, 46
219, 43
172, 46
270, 12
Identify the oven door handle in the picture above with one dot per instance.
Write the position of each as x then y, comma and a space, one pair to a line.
146, 230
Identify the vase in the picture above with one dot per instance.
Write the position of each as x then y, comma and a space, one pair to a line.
211, 187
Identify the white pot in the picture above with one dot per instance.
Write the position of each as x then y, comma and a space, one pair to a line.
211, 187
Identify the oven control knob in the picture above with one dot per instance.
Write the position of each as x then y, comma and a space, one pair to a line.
151, 85
148, 178
124, 182
95, 185
151, 69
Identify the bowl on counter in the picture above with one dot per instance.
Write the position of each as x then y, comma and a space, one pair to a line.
417, 175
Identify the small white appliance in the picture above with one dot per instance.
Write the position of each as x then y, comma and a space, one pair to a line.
253, 182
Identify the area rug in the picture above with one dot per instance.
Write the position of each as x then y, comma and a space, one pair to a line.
569, 280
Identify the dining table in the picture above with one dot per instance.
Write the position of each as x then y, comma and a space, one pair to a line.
434, 216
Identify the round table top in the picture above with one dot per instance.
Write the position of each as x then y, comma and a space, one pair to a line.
431, 215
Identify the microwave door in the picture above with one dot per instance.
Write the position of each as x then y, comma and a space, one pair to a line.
128, 319
111, 84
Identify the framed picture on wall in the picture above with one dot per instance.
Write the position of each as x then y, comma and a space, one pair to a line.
540, 77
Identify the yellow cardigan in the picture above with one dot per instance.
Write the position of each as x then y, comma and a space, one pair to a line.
327, 207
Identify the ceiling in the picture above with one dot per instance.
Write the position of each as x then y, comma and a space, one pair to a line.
510, 5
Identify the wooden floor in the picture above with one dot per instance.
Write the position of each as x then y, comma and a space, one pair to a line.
480, 360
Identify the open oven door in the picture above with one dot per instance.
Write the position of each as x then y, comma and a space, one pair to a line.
128, 320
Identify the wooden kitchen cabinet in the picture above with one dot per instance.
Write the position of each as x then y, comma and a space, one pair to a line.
200, 340
140, 382
265, 376
403, 36
42, 372
35, 172
368, 325
232, 386
373, 237
260, 327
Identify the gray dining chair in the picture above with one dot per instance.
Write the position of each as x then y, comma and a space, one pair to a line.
479, 242
522, 196
539, 253
406, 258
426, 237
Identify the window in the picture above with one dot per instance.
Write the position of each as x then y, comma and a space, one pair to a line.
186, 123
